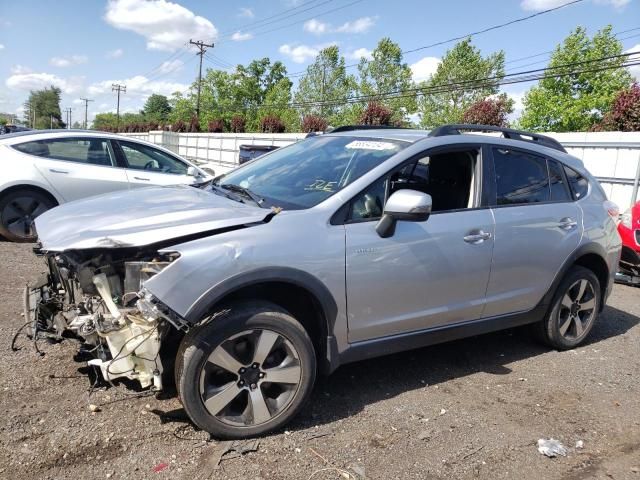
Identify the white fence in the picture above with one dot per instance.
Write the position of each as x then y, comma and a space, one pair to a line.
613, 157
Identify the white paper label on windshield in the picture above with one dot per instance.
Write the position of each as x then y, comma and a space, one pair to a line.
369, 145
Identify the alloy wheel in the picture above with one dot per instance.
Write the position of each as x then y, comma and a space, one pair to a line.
577, 310
19, 214
250, 378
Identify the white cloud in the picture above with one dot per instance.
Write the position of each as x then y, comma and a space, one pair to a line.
171, 66
246, 13
424, 68
315, 26
19, 69
302, 53
117, 53
138, 85
538, 5
165, 25
241, 37
361, 25
68, 61
635, 69
1, 46
36, 81
360, 53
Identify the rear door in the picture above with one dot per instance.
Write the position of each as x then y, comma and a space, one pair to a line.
76, 167
538, 226
145, 165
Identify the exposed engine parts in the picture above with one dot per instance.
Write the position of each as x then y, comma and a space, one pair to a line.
101, 301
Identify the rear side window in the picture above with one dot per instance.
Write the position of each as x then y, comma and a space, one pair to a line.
579, 184
94, 151
521, 178
559, 188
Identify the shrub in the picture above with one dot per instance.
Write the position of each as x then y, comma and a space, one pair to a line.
624, 115
490, 111
271, 124
313, 123
179, 126
215, 126
194, 125
238, 124
376, 114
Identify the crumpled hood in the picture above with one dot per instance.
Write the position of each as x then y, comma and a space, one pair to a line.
140, 217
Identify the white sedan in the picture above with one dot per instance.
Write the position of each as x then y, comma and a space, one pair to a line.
42, 169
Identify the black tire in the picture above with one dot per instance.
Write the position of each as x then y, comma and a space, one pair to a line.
194, 370
29, 204
567, 327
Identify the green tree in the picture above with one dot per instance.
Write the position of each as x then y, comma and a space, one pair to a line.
326, 80
384, 74
104, 121
44, 105
463, 63
182, 107
577, 101
157, 108
277, 103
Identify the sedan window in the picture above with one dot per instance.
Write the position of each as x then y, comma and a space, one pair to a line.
94, 151
143, 157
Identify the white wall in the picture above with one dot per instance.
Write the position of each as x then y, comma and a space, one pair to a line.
613, 157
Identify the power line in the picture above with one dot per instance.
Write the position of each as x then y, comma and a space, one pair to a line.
116, 87
202, 47
468, 35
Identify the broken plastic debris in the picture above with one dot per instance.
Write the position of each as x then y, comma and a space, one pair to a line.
579, 444
442, 411
160, 467
551, 447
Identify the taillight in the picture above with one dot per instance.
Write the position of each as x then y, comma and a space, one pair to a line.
612, 209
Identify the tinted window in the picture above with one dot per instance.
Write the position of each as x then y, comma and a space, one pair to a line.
559, 189
94, 151
521, 178
579, 184
142, 157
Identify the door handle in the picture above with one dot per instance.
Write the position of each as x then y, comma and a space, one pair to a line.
142, 178
477, 236
567, 223
53, 170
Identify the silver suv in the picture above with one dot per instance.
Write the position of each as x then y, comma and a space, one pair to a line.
345, 246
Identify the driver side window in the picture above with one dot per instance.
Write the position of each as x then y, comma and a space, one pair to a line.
449, 177
142, 157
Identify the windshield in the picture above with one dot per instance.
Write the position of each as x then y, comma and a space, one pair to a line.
308, 172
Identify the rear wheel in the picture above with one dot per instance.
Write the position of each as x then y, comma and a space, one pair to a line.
18, 210
574, 310
247, 372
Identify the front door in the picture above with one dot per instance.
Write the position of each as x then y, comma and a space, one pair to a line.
428, 274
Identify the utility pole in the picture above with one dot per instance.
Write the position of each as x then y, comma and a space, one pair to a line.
68, 112
116, 87
202, 47
86, 109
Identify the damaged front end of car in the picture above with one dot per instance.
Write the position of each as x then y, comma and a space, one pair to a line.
97, 297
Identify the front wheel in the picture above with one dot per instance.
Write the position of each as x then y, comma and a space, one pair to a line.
18, 211
246, 372
574, 310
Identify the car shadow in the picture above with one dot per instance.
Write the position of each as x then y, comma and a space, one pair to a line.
354, 386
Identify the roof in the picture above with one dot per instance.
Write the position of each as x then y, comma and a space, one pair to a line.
403, 134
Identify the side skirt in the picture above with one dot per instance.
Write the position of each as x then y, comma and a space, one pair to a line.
422, 338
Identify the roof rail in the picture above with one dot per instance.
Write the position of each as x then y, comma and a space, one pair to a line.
350, 128
455, 129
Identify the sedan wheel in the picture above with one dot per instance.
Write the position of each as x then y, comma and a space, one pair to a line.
18, 211
246, 372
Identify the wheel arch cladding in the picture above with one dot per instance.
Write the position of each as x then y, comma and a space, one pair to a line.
304, 296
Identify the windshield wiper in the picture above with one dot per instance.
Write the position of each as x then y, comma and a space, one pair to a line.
244, 191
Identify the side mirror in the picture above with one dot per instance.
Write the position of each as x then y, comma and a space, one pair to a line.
193, 172
405, 204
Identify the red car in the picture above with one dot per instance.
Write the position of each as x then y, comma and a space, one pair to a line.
629, 229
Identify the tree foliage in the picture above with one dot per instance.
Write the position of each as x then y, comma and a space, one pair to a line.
465, 66
326, 82
386, 73
489, 111
577, 101
313, 123
376, 114
44, 105
624, 115
156, 108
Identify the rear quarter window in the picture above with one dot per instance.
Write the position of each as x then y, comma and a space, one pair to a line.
579, 184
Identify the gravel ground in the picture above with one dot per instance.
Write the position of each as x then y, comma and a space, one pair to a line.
469, 409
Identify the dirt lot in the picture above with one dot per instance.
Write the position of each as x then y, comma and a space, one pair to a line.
469, 409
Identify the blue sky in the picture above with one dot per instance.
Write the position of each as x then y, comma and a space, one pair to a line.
85, 46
